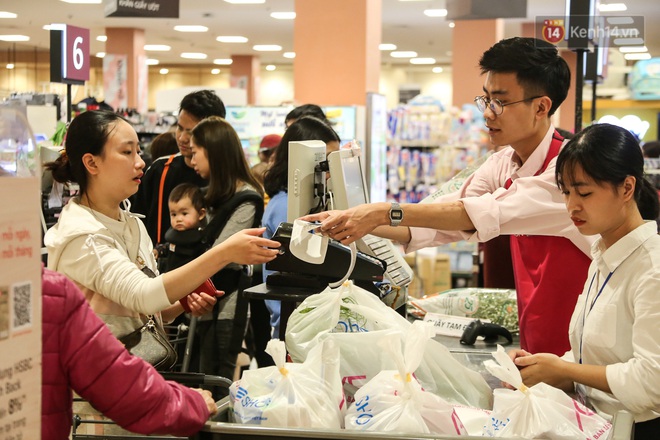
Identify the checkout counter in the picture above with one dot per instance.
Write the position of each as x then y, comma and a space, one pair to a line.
221, 427
297, 281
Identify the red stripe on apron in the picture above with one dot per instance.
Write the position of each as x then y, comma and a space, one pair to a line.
550, 273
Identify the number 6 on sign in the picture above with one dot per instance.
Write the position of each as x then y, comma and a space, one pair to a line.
78, 55
69, 54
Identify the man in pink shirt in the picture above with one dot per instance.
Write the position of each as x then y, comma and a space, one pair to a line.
513, 193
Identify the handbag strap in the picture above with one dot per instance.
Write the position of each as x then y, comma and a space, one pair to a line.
142, 265
160, 197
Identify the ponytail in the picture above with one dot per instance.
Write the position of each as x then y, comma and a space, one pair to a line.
60, 168
648, 203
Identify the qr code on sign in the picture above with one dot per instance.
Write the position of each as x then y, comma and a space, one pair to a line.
21, 296
4, 312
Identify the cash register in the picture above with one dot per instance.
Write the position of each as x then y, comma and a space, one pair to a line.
308, 191
295, 279
294, 272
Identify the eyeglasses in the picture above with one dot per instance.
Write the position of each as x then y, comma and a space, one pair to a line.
495, 105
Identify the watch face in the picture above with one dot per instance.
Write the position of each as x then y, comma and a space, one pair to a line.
396, 214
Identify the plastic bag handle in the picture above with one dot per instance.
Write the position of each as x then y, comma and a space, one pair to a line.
350, 267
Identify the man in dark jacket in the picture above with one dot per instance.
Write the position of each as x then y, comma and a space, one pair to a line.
173, 170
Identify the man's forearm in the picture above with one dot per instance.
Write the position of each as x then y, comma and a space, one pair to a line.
441, 216
400, 234
450, 216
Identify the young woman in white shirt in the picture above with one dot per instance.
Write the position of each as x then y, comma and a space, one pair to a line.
106, 250
614, 361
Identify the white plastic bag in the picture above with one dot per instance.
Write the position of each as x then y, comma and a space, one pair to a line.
350, 309
395, 401
356, 368
541, 411
307, 395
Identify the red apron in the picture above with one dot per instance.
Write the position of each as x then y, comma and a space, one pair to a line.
550, 273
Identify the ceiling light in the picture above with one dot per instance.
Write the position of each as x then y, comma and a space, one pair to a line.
194, 55
164, 71
631, 49
637, 56
283, 15
231, 39
83, 2
157, 47
152, 62
101, 55
612, 7
190, 28
48, 27
267, 48
5, 14
437, 69
387, 46
102, 38
10, 66
290, 55
215, 71
435, 12
270, 67
223, 61
245, 2
452, 24
422, 61
14, 38
628, 41
403, 54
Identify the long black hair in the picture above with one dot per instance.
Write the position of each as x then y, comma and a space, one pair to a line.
307, 128
608, 154
88, 133
227, 163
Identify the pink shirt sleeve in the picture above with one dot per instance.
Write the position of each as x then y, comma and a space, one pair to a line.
533, 205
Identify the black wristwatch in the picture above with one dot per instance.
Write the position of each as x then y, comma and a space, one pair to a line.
396, 214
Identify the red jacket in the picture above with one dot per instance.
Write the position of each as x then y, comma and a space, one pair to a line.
80, 353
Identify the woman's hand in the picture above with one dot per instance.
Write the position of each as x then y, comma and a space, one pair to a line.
200, 303
544, 367
208, 399
248, 247
514, 354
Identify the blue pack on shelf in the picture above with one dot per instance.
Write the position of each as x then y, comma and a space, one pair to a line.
644, 80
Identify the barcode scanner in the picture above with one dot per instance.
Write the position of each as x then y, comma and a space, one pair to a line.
489, 331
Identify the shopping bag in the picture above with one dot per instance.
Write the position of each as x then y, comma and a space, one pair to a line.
350, 309
395, 401
360, 358
540, 411
306, 395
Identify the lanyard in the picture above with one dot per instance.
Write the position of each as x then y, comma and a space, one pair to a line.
586, 300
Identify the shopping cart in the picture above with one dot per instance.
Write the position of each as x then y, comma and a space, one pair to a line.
189, 379
221, 427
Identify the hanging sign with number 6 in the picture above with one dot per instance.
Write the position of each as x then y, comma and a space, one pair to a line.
69, 54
